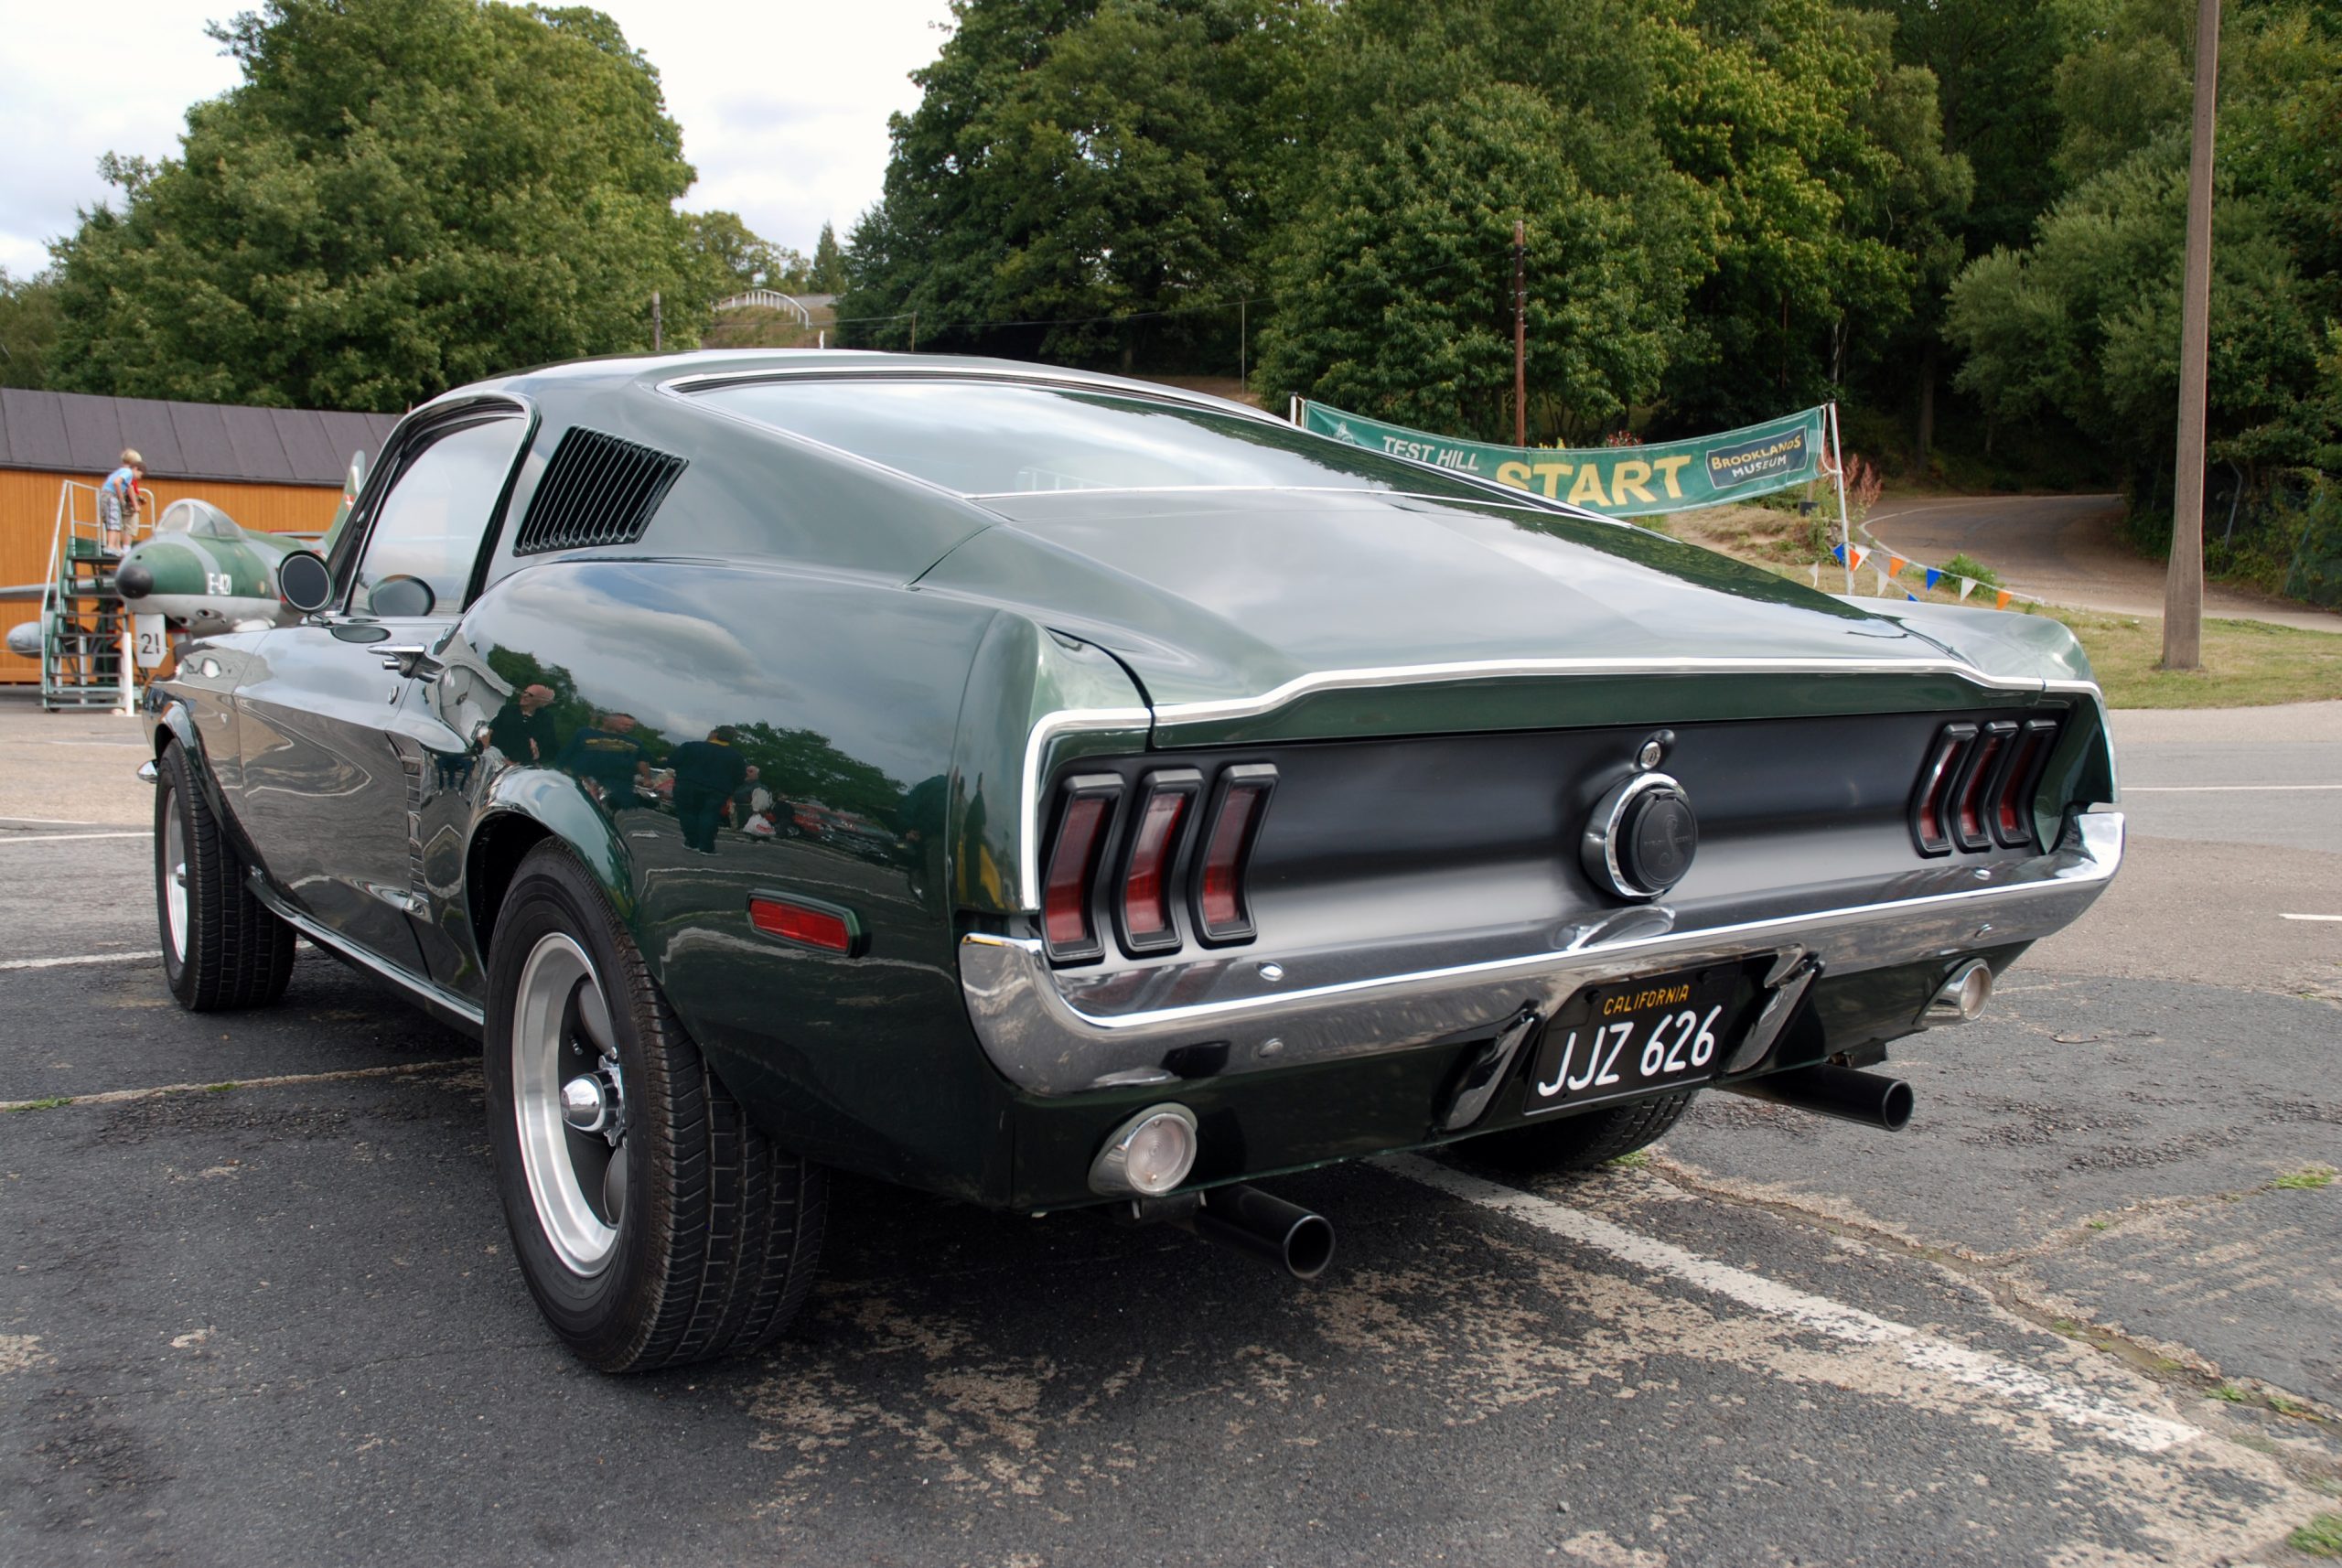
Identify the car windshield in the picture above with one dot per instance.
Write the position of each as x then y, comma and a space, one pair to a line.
982, 438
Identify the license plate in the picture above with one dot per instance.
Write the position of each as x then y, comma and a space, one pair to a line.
1659, 1032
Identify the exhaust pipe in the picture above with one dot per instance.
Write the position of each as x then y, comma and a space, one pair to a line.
1869, 1097
1261, 1223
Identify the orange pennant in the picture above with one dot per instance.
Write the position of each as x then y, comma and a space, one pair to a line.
1860, 556
1895, 565
2001, 600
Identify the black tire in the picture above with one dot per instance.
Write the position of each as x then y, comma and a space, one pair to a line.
1578, 1143
719, 1231
230, 951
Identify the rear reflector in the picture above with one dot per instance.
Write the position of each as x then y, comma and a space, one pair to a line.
1086, 813
808, 922
1927, 829
1222, 905
1143, 911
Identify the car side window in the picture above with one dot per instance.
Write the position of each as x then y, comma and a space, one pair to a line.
427, 532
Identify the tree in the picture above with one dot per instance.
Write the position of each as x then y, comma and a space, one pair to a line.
400, 196
2085, 321
1395, 286
734, 259
27, 330
1073, 164
827, 275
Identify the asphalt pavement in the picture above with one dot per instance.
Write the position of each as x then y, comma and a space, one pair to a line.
259, 1306
2062, 549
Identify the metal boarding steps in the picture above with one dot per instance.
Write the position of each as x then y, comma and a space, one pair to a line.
85, 659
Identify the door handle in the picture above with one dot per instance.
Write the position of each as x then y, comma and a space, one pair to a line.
410, 660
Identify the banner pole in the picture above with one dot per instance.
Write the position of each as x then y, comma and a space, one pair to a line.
1292, 410
1837, 472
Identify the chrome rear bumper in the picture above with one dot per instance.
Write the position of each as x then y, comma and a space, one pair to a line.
1048, 1042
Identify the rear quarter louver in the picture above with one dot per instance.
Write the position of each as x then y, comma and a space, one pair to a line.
598, 489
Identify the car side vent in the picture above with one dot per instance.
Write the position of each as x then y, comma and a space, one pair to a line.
597, 489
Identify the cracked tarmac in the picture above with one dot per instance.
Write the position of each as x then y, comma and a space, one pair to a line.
278, 1322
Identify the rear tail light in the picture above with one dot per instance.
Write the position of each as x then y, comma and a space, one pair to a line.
1143, 911
1969, 806
1223, 906
2020, 780
1978, 786
1936, 780
1085, 814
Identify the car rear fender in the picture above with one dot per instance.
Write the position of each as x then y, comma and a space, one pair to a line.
557, 805
1035, 699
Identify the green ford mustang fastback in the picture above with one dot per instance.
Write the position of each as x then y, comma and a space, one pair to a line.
1048, 790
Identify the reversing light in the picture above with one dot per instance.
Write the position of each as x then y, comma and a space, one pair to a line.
1143, 911
1927, 829
1147, 1155
1084, 815
807, 922
1223, 906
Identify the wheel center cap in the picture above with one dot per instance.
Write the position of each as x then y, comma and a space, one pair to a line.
585, 1103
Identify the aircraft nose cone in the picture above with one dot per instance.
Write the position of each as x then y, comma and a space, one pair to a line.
134, 581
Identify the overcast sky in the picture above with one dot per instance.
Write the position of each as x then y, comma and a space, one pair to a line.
783, 104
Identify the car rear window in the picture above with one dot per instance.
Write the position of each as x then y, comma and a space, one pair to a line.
985, 438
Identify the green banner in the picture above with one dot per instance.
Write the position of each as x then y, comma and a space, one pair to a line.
1624, 482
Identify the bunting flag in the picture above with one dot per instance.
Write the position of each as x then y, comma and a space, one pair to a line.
1895, 565
1967, 586
1910, 595
2001, 600
1861, 555
1840, 551
1882, 581
1814, 571
1934, 577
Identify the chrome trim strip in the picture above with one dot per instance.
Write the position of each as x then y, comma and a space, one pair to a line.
1047, 1045
427, 991
1517, 668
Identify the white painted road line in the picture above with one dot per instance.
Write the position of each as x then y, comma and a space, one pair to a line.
81, 958
1926, 1352
2334, 917
62, 838
2220, 789
57, 823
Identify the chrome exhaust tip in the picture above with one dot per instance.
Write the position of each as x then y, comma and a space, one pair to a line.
1960, 998
1242, 1217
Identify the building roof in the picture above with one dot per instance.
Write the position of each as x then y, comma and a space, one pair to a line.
78, 433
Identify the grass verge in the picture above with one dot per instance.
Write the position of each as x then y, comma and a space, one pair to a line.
2321, 1537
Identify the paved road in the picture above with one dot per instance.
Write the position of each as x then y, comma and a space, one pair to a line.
276, 1322
2062, 549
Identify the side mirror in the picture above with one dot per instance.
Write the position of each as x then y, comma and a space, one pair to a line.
304, 582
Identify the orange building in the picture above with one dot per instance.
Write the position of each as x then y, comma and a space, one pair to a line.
274, 469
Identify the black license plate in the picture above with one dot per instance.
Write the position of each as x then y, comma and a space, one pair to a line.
1663, 1031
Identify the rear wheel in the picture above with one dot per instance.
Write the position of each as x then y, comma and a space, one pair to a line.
654, 1224
1578, 1143
221, 948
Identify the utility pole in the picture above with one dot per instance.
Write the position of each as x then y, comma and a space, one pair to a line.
658, 327
2183, 589
914, 331
1519, 333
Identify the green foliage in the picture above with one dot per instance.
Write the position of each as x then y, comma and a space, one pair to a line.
2321, 1537
400, 196
1395, 288
2085, 322
827, 273
1966, 566
1071, 162
734, 259
27, 330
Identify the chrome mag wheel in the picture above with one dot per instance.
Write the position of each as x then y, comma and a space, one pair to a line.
174, 880
569, 1103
